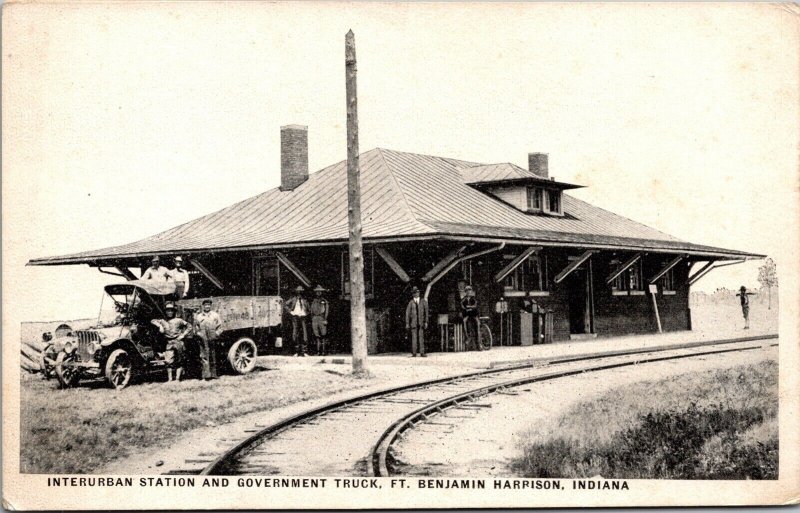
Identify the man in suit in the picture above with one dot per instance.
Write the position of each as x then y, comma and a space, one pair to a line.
417, 322
297, 308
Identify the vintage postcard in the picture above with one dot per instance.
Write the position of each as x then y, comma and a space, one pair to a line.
285, 255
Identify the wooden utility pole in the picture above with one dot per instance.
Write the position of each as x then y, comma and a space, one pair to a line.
358, 314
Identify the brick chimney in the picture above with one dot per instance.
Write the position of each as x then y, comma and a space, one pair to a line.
537, 163
294, 156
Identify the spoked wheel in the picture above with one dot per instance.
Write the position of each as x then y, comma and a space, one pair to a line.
119, 369
48, 369
67, 375
242, 355
486, 337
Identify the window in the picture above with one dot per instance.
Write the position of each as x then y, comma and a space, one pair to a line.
369, 273
530, 276
535, 199
635, 276
554, 201
630, 281
466, 271
668, 283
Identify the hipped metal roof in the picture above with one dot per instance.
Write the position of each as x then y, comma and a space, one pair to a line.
404, 196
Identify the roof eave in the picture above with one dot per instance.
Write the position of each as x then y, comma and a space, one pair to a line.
541, 182
109, 260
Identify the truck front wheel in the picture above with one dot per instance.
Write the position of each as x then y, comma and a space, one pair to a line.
242, 355
119, 369
67, 375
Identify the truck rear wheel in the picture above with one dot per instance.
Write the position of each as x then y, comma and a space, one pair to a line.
242, 355
119, 369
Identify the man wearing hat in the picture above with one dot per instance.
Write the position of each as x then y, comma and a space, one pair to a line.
297, 308
319, 319
417, 321
181, 278
156, 271
208, 326
469, 312
745, 301
174, 329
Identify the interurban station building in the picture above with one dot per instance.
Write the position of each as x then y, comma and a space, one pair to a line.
557, 267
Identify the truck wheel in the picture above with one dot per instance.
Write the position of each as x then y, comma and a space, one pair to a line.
48, 370
119, 369
67, 375
242, 355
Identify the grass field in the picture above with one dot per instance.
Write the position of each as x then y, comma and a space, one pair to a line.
81, 430
715, 425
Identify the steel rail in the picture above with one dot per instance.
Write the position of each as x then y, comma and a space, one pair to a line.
267, 432
377, 461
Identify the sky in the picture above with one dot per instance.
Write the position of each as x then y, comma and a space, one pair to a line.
121, 120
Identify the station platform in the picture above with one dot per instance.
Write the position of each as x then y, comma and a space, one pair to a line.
500, 356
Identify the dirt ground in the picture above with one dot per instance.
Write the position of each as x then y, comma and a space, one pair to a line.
485, 441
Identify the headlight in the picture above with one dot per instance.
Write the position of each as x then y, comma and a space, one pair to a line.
68, 347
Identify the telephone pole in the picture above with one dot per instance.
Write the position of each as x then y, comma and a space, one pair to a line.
358, 316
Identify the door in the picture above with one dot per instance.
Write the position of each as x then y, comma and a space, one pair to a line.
581, 307
266, 277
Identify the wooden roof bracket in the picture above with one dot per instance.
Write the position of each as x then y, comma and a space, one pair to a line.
624, 267
208, 274
458, 261
393, 264
123, 272
710, 267
672, 263
293, 268
516, 263
443, 263
586, 255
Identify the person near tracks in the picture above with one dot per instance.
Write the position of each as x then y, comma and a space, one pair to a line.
208, 326
156, 271
181, 278
417, 322
297, 308
319, 319
469, 314
174, 329
745, 301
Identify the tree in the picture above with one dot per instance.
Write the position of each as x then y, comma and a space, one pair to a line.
768, 278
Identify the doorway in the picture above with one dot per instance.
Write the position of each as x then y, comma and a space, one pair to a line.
581, 301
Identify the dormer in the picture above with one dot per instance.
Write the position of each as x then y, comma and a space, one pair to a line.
530, 190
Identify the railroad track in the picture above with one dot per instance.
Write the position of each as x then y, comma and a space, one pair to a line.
355, 436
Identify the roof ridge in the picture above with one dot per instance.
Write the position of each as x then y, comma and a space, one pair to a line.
447, 159
409, 210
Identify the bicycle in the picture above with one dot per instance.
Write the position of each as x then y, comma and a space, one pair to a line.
485, 333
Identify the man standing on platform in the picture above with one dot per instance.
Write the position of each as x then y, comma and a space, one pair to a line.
208, 326
181, 278
156, 271
417, 322
469, 311
319, 319
297, 308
